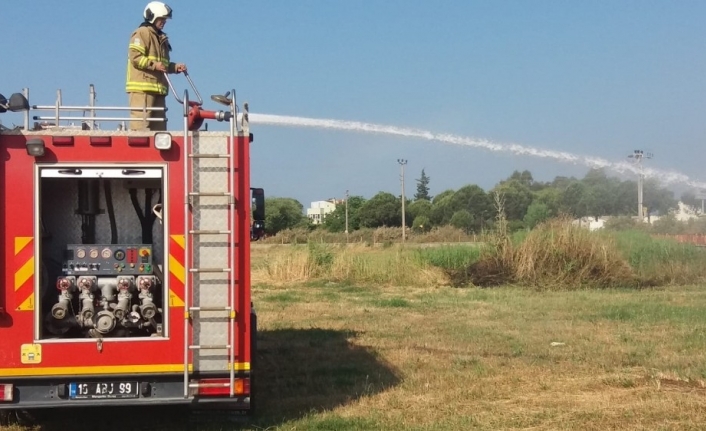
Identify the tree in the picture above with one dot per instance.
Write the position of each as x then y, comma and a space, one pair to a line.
476, 201
336, 221
384, 209
517, 198
423, 188
442, 209
463, 220
657, 198
562, 183
421, 224
524, 177
419, 208
537, 212
573, 200
441, 196
282, 213
551, 198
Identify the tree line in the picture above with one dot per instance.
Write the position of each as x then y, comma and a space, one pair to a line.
526, 203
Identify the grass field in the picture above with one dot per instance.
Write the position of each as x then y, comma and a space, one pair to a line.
359, 338
454, 359
342, 357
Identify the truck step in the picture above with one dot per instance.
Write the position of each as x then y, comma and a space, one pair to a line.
209, 156
210, 308
210, 194
209, 347
209, 385
210, 232
209, 270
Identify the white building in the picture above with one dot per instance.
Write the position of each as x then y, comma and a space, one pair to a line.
319, 209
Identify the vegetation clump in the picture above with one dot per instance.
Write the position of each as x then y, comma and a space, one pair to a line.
560, 255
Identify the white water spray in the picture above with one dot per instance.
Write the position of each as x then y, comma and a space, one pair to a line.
623, 167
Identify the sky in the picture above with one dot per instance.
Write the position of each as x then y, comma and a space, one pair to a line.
593, 79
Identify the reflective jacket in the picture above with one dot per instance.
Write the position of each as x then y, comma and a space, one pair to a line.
148, 46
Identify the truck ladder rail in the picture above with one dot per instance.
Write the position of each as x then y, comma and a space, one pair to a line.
209, 299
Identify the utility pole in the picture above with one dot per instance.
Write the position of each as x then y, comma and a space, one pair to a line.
639, 156
346, 216
403, 162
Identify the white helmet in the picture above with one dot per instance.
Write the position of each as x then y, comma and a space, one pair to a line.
156, 9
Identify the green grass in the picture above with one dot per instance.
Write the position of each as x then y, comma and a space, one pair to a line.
661, 260
284, 297
449, 256
392, 303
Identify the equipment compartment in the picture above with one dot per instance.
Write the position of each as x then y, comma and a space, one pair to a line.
101, 251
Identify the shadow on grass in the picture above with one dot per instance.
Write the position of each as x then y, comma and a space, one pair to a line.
297, 372
300, 371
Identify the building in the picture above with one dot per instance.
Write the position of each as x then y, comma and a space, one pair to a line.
319, 209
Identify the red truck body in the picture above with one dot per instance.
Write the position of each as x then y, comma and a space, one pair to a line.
125, 268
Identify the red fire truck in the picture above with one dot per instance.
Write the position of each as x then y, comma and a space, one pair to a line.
126, 258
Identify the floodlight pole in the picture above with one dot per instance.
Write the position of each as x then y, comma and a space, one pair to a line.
639, 156
403, 162
346, 216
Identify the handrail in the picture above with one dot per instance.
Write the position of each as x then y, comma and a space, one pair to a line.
187, 254
188, 78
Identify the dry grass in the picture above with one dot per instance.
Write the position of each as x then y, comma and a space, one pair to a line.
560, 254
371, 236
356, 264
447, 359
334, 356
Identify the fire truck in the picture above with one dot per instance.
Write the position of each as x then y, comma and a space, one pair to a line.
125, 258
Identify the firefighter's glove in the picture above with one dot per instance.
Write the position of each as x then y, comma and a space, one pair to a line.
160, 67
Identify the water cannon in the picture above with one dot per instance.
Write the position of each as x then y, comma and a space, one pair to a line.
17, 103
195, 114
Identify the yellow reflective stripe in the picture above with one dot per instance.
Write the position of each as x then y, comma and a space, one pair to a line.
176, 268
143, 62
21, 242
144, 86
107, 369
160, 59
24, 273
138, 48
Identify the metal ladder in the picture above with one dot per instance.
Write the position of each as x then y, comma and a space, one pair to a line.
202, 275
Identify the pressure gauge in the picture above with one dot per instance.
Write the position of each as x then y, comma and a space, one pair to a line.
106, 253
80, 253
119, 255
93, 254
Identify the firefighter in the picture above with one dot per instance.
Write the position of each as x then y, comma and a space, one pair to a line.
148, 61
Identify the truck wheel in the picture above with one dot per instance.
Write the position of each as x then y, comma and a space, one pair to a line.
19, 417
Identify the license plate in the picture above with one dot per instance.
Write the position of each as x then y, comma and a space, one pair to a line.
103, 390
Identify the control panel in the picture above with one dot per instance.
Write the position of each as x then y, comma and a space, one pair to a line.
107, 259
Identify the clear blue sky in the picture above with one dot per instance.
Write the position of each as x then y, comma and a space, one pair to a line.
598, 78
